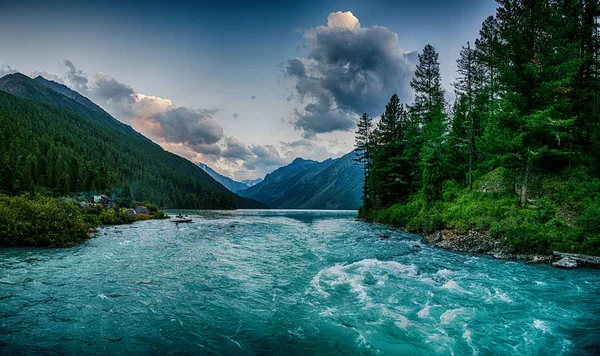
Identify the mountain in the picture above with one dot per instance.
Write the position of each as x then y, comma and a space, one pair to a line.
251, 182
61, 96
305, 184
227, 182
53, 144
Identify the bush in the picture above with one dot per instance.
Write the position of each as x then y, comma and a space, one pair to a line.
565, 217
40, 221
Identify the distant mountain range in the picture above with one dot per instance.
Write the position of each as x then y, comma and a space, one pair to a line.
55, 140
306, 184
227, 182
252, 182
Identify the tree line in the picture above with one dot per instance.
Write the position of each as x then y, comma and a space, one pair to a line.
527, 100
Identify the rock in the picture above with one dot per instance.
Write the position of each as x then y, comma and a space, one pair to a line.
416, 246
585, 260
539, 259
565, 262
384, 236
439, 237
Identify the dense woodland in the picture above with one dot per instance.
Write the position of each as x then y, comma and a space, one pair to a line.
52, 145
517, 153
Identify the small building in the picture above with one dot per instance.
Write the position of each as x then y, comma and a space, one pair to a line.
101, 199
142, 210
131, 212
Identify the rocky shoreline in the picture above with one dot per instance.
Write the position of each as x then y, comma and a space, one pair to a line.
480, 242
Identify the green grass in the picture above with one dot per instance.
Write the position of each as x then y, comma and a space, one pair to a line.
564, 215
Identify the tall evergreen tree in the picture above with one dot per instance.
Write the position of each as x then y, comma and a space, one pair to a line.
465, 87
362, 148
429, 115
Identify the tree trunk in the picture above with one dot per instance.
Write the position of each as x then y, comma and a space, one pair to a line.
525, 182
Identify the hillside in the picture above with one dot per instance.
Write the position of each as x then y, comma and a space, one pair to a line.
59, 95
306, 184
48, 144
227, 182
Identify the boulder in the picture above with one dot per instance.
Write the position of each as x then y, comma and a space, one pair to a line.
584, 260
565, 262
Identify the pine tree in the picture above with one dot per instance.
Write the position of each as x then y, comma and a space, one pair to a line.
487, 51
465, 87
429, 115
362, 148
427, 84
392, 177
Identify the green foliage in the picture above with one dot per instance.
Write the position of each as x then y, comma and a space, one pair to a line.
43, 221
40, 221
518, 154
52, 143
152, 208
542, 228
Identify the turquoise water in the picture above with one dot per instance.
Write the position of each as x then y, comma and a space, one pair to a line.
286, 282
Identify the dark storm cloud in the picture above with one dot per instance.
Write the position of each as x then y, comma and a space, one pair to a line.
108, 88
76, 77
207, 149
195, 128
348, 70
235, 149
320, 117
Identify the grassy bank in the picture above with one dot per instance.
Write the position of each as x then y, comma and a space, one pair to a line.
51, 222
563, 214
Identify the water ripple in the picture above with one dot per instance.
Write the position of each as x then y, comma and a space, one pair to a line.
286, 282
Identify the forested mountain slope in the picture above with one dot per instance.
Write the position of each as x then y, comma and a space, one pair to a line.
59, 150
56, 94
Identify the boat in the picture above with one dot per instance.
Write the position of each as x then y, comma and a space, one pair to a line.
182, 221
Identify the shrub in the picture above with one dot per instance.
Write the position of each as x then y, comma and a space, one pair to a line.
40, 221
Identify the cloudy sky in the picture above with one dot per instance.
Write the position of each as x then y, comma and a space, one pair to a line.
244, 87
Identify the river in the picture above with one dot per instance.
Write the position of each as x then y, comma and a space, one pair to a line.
286, 282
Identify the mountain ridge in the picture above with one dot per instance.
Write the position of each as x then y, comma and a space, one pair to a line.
307, 184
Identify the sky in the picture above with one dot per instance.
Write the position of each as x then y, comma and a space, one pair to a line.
244, 87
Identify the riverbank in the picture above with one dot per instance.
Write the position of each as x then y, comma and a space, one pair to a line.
42, 221
563, 215
481, 242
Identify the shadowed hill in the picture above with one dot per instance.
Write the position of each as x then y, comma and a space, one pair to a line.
47, 142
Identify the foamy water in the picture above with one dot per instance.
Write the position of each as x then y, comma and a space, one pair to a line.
286, 282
